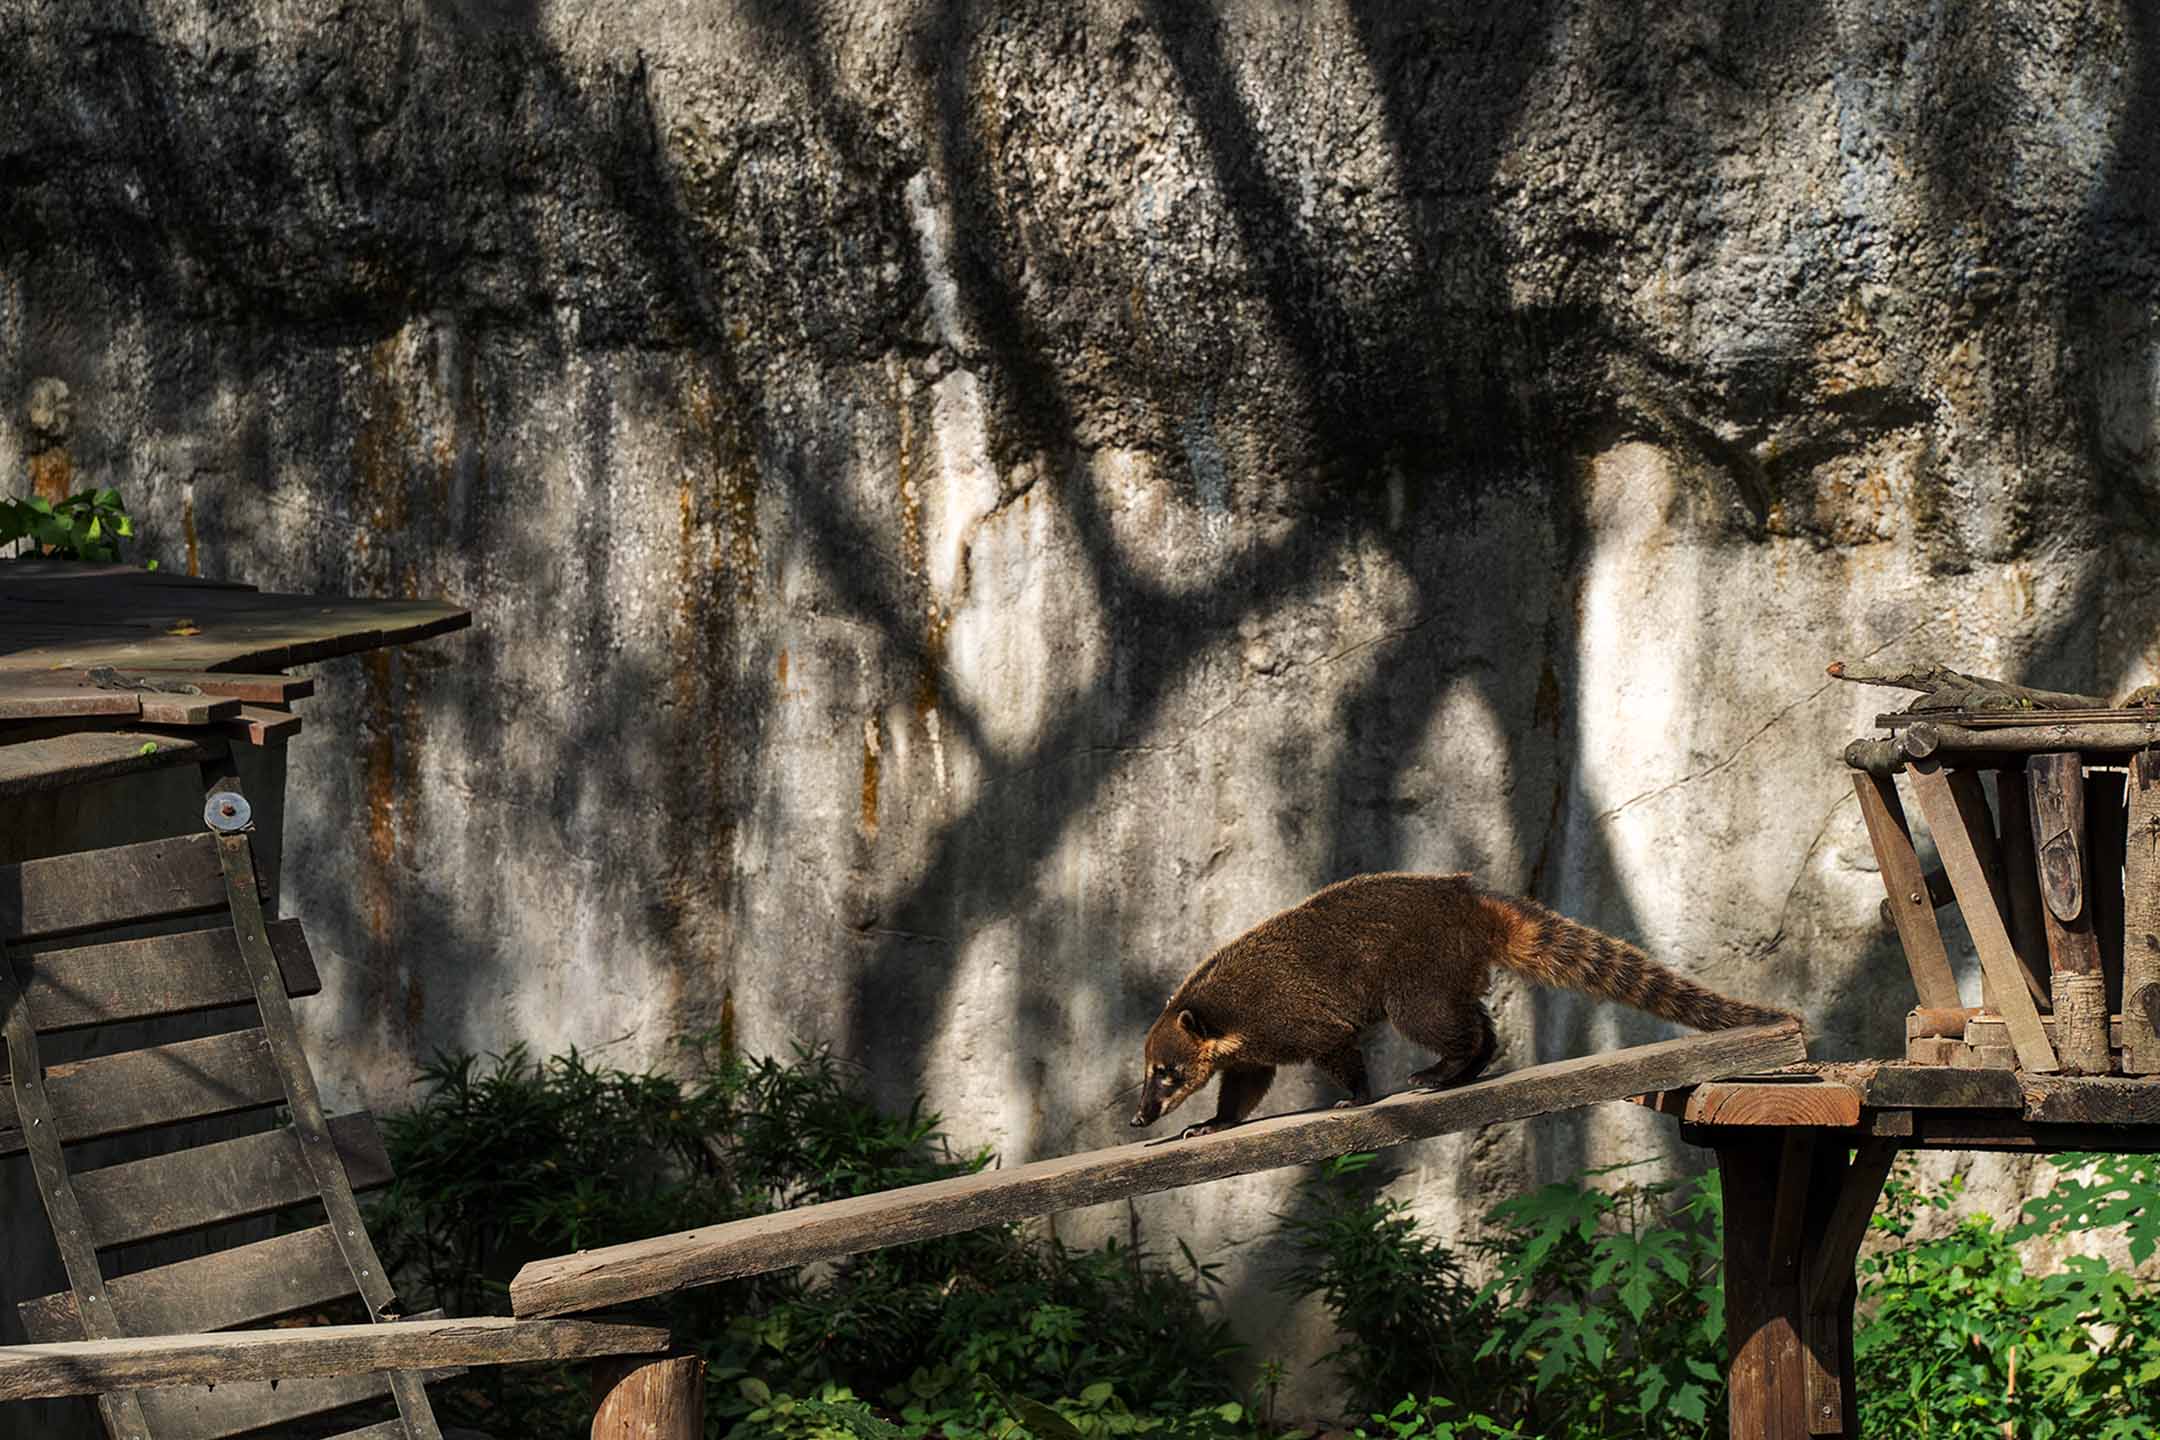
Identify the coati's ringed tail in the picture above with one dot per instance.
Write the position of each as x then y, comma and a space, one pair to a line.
1551, 949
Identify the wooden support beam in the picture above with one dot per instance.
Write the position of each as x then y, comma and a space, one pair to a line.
1767, 1380
1956, 814
88, 1367
620, 1273
2066, 885
2021, 875
650, 1399
2141, 920
1906, 890
2106, 826
2091, 1100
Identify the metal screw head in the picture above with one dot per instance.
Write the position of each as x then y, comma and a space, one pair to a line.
227, 812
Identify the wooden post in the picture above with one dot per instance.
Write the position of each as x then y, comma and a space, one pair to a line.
2141, 920
2104, 835
641, 1399
1911, 906
1764, 1316
2081, 1011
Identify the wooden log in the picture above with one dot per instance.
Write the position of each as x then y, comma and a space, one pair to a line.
85, 1367
1906, 891
1754, 1102
1956, 813
1923, 1022
2106, 826
1841, 1200
1958, 743
621, 1273
649, 1399
2141, 920
2080, 986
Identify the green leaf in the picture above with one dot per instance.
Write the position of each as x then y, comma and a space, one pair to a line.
149, 747
756, 1391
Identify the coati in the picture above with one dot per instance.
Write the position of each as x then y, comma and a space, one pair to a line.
1416, 950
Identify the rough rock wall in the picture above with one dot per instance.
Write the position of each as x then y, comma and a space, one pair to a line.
966, 506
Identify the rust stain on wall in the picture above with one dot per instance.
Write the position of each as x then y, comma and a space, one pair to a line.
52, 475
870, 767
187, 530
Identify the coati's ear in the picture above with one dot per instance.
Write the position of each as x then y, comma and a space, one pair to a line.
1189, 1025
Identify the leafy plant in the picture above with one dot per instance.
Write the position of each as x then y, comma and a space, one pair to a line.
85, 526
509, 1159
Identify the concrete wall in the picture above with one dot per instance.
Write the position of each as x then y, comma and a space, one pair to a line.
967, 506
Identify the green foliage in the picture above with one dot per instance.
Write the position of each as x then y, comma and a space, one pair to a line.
85, 526
512, 1159
1944, 1321
1602, 1318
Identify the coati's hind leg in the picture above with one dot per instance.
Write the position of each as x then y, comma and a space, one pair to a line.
1236, 1094
1345, 1065
1462, 1034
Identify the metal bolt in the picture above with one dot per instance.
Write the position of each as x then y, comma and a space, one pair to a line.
1914, 897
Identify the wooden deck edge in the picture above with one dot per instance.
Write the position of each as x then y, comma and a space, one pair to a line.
89, 1367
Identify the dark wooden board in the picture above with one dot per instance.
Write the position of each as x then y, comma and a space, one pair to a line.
84, 1367
271, 635
92, 889
2091, 1100
30, 766
230, 1180
255, 689
158, 1085
620, 1273
204, 1412
1906, 890
27, 696
161, 975
241, 1286
1916, 1087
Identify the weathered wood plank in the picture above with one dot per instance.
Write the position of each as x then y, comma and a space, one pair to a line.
201, 1412
229, 1180
255, 689
2080, 984
25, 696
619, 1273
261, 725
240, 1286
95, 888
1945, 800
83, 1367
159, 975
1913, 1087
1906, 890
57, 761
159, 1085
2091, 1100
1838, 1247
1766, 1389
2141, 920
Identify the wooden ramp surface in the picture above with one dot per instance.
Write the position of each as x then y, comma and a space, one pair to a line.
617, 1274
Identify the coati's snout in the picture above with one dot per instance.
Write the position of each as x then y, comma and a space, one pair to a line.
1178, 1063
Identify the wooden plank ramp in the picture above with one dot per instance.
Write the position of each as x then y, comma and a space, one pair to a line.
619, 1274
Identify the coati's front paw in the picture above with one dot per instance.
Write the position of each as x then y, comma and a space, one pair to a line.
1355, 1102
1205, 1127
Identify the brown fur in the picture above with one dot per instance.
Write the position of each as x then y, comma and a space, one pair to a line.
1414, 950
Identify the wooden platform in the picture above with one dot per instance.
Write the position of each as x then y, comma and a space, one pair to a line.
105, 669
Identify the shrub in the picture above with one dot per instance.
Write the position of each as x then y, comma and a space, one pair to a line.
507, 1160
